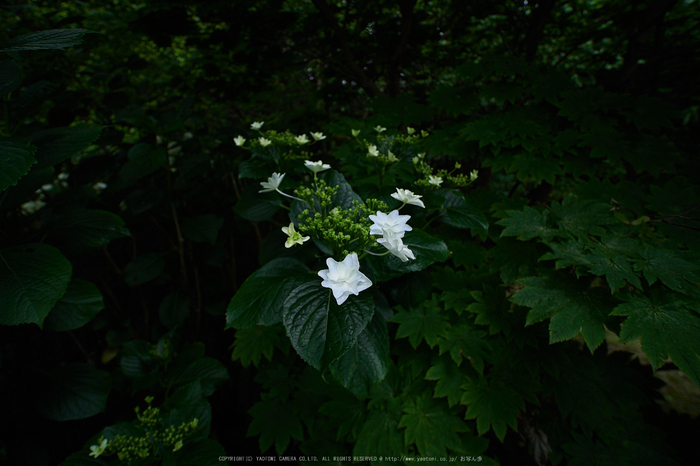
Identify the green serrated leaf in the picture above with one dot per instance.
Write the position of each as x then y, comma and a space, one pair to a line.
260, 299
345, 195
431, 427
573, 309
57, 144
617, 270
208, 371
454, 100
84, 229
33, 277
320, 330
143, 269
204, 452
450, 378
664, 265
144, 159
276, 423
459, 213
494, 405
528, 224
16, 158
582, 217
666, 328
204, 228
367, 361
426, 322
464, 342
254, 342
74, 391
81, 302
427, 249
255, 206
54, 39
381, 432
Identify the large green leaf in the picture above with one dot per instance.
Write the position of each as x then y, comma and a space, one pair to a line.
144, 268
255, 206
345, 195
74, 391
666, 328
425, 322
276, 422
494, 405
33, 278
208, 371
427, 249
260, 299
458, 212
202, 229
57, 144
84, 229
16, 158
573, 308
10, 77
77, 307
144, 159
528, 223
54, 39
367, 361
381, 432
320, 330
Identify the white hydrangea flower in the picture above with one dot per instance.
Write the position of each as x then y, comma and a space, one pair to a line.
316, 166
272, 183
474, 175
372, 149
301, 140
436, 180
379, 129
355, 132
344, 278
395, 246
97, 450
264, 142
294, 236
318, 136
257, 125
408, 197
389, 223
239, 140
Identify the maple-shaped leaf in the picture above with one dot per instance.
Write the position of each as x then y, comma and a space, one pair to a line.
528, 223
529, 166
348, 412
617, 270
493, 309
573, 307
431, 427
666, 328
662, 264
464, 342
254, 342
582, 217
424, 322
381, 432
569, 253
494, 405
449, 378
276, 423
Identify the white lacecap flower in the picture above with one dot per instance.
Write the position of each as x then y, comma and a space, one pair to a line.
344, 278
97, 450
379, 129
355, 132
301, 140
257, 125
264, 142
239, 140
272, 183
318, 136
436, 180
395, 246
408, 197
389, 223
474, 175
294, 236
316, 166
372, 149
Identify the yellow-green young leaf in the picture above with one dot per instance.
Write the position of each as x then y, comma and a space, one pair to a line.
254, 342
666, 328
493, 405
81, 302
367, 361
276, 423
573, 307
528, 224
33, 278
425, 322
16, 157
432, 427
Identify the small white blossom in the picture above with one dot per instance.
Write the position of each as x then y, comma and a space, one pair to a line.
272, 183
436, 180
264, 142
97, 450
407, 197
392, 157
474, 175
395, 246
301, 140
257, 125
379, 129
316, 166
344, 278
389, 223
318, 136
372, 149
355, 132
410, 130
294, 236
63, 176
99, 186
239, 140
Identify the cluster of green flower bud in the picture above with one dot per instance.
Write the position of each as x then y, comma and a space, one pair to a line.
319, 192
172, 437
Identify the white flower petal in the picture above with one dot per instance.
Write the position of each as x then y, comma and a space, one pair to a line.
344, 278
408, 197
272, 183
